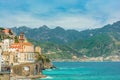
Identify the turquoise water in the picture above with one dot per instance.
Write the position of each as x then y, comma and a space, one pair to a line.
84, 71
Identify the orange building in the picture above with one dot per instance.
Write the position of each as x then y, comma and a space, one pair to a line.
7, 31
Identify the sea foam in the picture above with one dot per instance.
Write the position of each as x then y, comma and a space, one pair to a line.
48, 77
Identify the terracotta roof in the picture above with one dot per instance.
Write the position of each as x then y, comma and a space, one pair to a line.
18, 45
6, 31
15, 45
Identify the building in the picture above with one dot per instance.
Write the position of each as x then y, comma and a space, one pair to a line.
17, 56
6, 44
18, 52
0, 58
38, 49
7, 31
24, 50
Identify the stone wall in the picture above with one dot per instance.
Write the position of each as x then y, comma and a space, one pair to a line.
27, 69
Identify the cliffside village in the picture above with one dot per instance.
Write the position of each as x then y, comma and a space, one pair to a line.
16, 51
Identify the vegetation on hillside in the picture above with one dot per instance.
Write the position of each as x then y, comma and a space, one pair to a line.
58, 43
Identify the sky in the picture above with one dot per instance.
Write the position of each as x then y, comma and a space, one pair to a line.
69, 14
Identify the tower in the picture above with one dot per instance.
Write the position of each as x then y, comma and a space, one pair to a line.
21, 37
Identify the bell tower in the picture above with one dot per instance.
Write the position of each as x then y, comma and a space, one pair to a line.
21, 37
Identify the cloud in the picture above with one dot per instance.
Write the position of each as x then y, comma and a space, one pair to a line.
70, 14
104, 10
68, 22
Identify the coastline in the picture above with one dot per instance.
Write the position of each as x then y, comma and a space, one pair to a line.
84, 71
113, 58
71, 60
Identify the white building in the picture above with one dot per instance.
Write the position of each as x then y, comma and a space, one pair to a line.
0, 58
6, 44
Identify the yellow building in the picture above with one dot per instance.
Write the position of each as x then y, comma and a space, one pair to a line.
25, 50
38, 49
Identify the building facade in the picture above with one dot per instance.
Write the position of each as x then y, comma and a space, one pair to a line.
18, 52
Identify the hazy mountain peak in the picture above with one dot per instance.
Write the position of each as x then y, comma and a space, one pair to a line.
58, 28
25, 27
45, 27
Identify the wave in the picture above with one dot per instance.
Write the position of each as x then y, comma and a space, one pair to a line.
71, 68
68, 68
48, 77
48, 69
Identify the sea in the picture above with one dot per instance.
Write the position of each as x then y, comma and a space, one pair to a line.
83, 71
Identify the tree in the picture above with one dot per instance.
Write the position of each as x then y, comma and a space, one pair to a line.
16, 39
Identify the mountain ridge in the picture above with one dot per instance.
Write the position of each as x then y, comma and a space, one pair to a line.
61, 43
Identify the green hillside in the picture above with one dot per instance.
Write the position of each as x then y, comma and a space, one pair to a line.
98, 45
58, 43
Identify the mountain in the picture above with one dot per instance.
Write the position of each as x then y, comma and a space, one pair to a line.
59, 43
45, 34
114, 28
